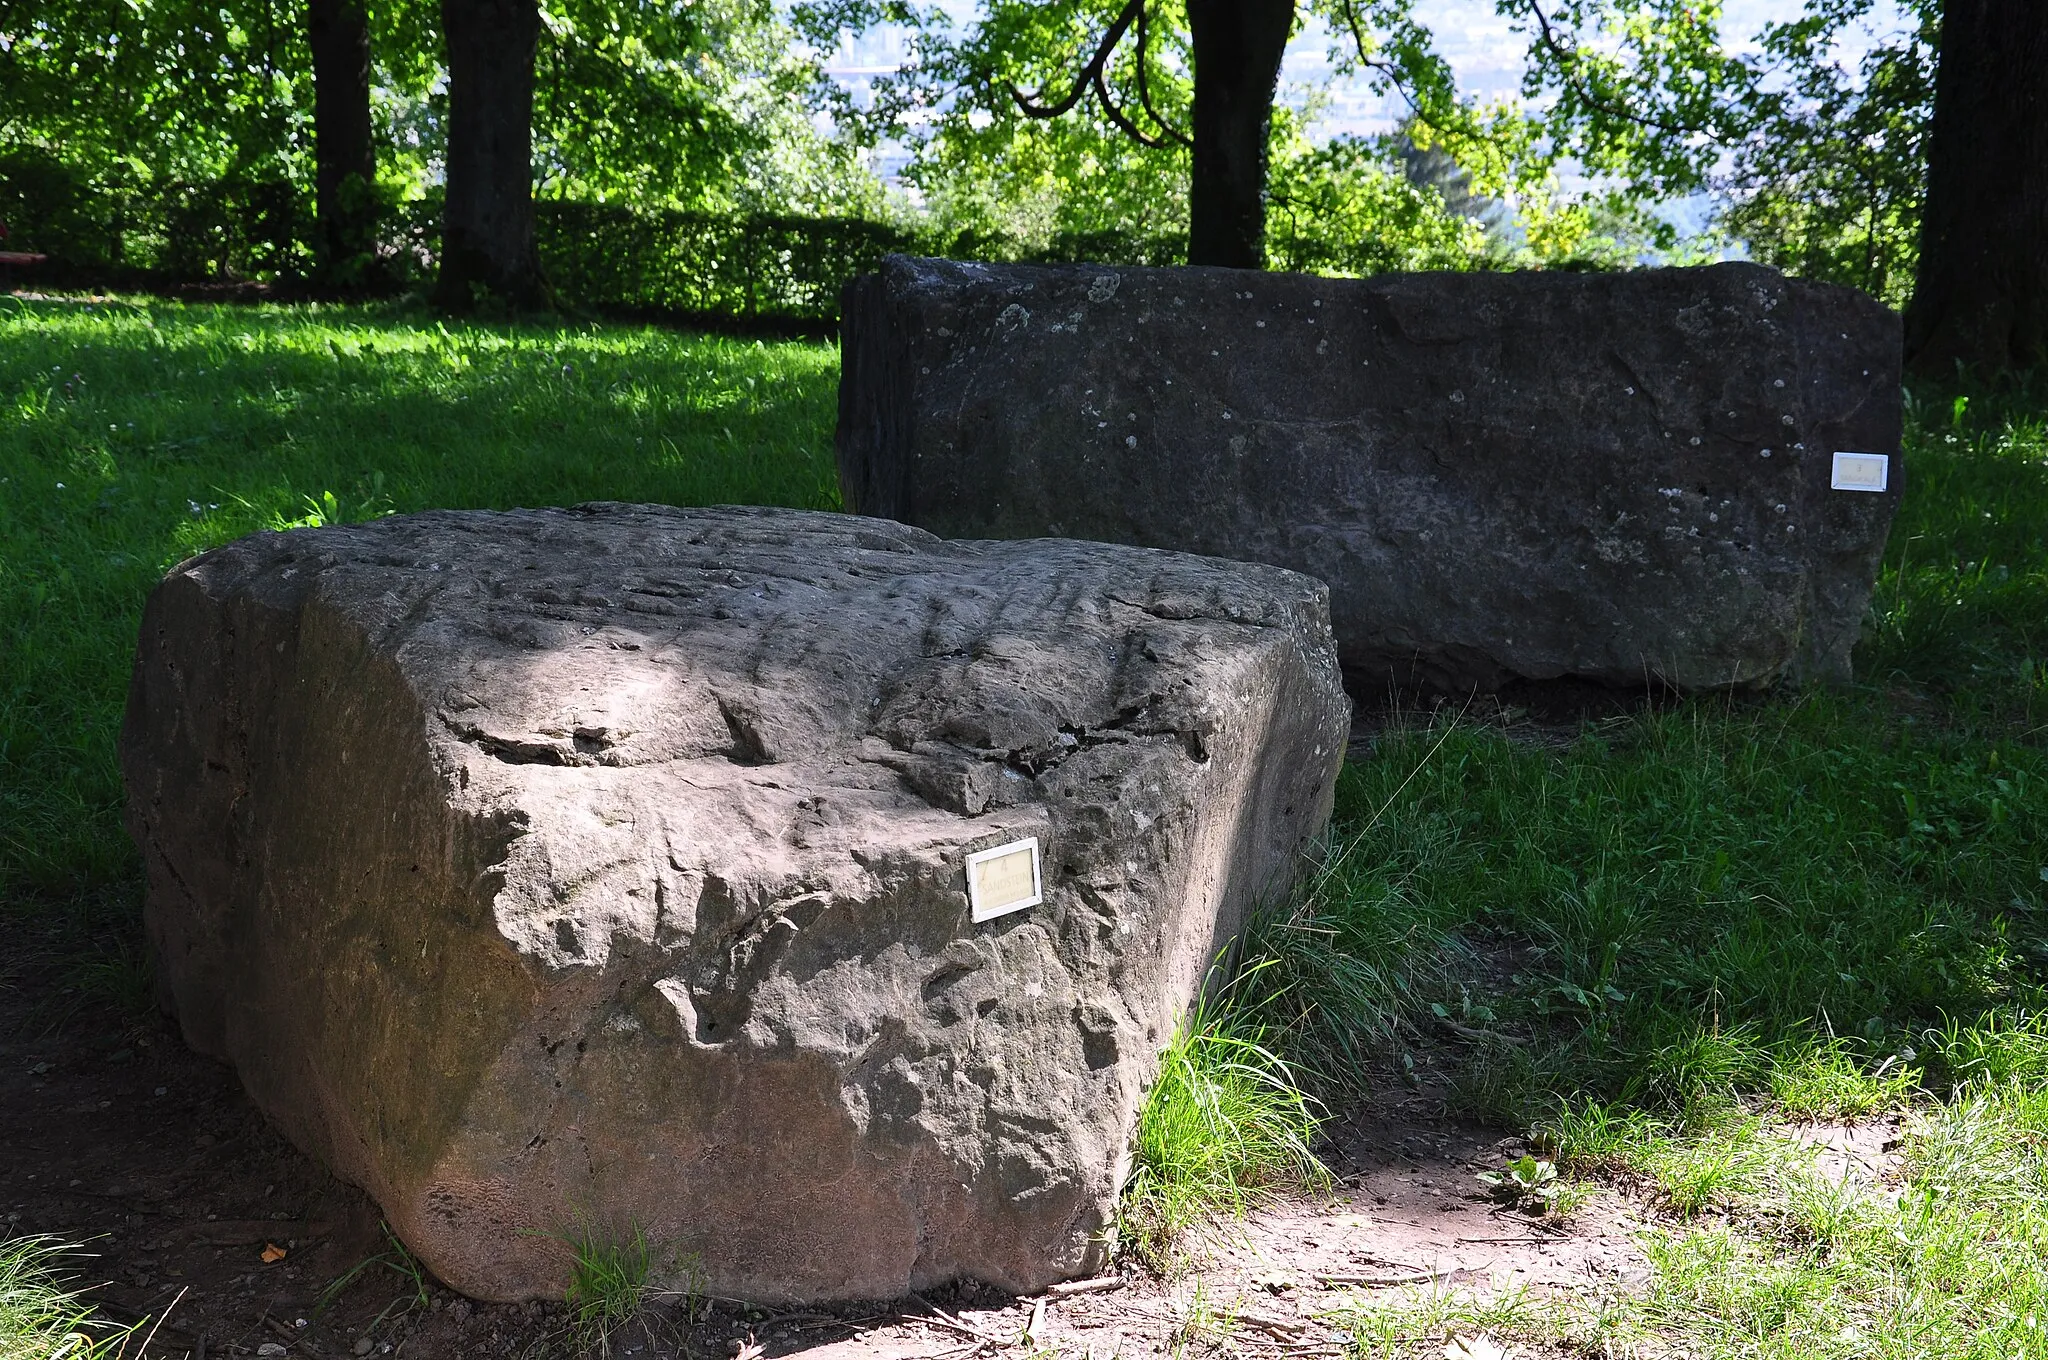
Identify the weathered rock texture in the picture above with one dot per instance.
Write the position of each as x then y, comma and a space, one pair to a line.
601, 870
1614, 476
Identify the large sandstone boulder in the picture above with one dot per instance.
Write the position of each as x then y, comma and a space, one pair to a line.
601, 871
1624, 477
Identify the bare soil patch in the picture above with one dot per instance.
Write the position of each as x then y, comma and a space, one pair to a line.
190, 1209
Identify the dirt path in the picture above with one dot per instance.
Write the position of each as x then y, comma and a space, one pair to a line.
120, 1138
1407, 1212
125, 1141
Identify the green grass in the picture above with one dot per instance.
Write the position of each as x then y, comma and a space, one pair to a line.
1655, 944
1950, 1259
1224, 1127
134, 435
1663, 944
43, 1319
609, 1285
414, 1292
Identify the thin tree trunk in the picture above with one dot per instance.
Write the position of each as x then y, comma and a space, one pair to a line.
1237, 49
487, 248
1981, 296
344, 154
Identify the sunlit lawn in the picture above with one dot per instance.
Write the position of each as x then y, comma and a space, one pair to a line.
134, 435
1682, 927
1684, 931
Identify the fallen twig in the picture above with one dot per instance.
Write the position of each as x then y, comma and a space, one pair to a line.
1480, 1035
1287, 1327
142, 1352
796, 1319
1066, 1289
138, 1315
1388, 1281
1502, 1241
960, 1352
949, 1325
946, 1319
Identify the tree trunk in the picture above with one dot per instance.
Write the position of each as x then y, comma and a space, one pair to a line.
487, 248
1237, 49
1981, 296
344, 154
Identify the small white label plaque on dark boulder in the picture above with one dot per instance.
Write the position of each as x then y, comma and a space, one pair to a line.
1861, 472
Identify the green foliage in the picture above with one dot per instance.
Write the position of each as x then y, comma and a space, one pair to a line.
1014, 185
610, 1282
132, 436
1828, 184
613, 256
701, 107
1532, 1184
1345, 207
176, 136
1224, 1128
173, 91
43, 1319
1644, 92
1089, 183
187, 152
1112, 166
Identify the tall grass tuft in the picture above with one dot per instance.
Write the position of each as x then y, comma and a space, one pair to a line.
1223, 1129
610, 1285
40, 1319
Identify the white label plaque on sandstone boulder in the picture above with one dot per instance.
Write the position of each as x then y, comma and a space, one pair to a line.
605, 867
1620, 477
1004, 879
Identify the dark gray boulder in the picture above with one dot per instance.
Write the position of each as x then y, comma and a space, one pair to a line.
600, 872
1623, 477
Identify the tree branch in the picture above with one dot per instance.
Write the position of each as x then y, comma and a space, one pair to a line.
1393, 75
1116, 115
1095, 75
1032, 106
1144, 90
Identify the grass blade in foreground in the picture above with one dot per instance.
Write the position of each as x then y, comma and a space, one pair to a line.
41, 1319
